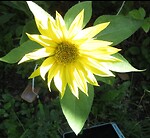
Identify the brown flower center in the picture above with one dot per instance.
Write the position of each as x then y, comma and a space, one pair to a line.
66, 53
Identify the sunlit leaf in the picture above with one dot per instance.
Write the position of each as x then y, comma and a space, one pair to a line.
123, 66
17, 53
76, 110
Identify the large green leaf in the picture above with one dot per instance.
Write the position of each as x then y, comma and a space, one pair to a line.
123, 66
119, 29
17, 53
76, 110
74, 11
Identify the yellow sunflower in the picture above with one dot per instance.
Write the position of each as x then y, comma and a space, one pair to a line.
72, 56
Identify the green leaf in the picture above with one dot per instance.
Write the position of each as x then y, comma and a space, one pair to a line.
119, 29
30, 28
17, 53
123, 66
146, 25
138, 14
142, 12
75, 10
7, 106
76, 110
41, 110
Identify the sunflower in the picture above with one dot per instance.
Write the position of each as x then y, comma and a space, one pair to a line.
72, 56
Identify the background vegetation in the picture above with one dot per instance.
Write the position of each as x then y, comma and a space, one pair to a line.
124, 99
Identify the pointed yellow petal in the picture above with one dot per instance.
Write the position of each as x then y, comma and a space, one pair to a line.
102, 58
76, 25
60, 80
91, 78
94, 44
81, 81
40, 53
61, 25
52, 72
54, 33
35, 73
70, 80
106, 52
41, 17
42, 40
74, 89
46, 65
90, 32
96, 68
89, 75
102, 54
79, 41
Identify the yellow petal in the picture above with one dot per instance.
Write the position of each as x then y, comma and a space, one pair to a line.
71, 81
35, 73
42, 40
46, 65
79, 41
94, 44
96, 68
51, 73
102, 58
60, 80
54, 33
90, 32
41, 17
61, 25
101, 54
81, 81
76, 25
91, 78
89, 75
40, 53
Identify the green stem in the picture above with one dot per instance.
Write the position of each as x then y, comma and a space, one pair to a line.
121, 7
19, 120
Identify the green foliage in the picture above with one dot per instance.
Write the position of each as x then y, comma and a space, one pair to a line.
123, 66
17, 53
76, 9
113, 103
6, 17
30, 27
20, 120
76, 110
140, 15
120, 28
